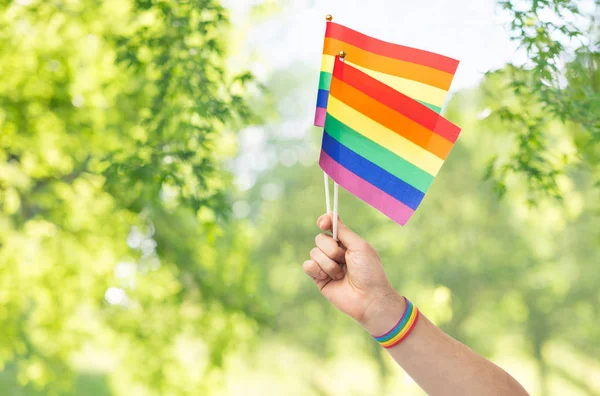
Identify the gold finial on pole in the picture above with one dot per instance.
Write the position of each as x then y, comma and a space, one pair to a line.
329, 17
342, 55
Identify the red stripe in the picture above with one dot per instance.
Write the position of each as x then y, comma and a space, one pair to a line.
395, 100
397, 51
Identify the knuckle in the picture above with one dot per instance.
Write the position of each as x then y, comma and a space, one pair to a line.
331, 266
336, 252
321, 239
321, 219
340, 255
363, 245
314, 252
307, 265
318, 239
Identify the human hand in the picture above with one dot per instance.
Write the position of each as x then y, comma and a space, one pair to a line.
350, 275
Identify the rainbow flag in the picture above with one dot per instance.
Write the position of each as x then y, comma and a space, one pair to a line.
421, 75
381, 145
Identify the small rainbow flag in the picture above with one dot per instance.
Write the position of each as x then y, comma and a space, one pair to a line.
421, 75
381, 145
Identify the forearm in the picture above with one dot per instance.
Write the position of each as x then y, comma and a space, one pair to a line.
438, 363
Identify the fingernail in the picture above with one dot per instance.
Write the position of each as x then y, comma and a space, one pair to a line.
320, 223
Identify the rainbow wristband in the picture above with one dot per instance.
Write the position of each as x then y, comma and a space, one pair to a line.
402, 329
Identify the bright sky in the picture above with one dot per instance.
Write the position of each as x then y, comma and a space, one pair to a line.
471, 31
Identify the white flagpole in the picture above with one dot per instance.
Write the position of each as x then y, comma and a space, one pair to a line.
335, 211
327, 198
335, 185
328, 18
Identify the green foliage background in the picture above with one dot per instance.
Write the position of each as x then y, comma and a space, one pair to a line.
123, 270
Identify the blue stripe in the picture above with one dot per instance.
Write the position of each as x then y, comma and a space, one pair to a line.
400, 325
372, 173
322, 98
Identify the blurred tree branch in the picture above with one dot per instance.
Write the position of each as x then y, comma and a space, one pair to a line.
560, 81
113, 117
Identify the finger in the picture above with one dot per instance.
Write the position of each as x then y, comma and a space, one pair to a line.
312, 269
330, 267
331, 248
348, 238
324, 222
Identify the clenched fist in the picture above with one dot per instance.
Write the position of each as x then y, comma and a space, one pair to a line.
350, 275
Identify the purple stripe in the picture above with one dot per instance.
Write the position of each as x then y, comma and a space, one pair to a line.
401, 326
399, 321
320, 114
378, 199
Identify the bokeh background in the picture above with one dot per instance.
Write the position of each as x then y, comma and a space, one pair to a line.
159, 189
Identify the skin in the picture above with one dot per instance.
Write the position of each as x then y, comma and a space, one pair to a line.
350, 275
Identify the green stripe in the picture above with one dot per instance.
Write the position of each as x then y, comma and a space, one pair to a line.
432, 107
378, 155
400, 328
325, 84
325, 81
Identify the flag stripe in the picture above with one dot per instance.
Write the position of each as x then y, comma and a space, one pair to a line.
394, 332
391, 119
325, 80
320, 115
390, 50
385, 137
365, 191
437, 109
412, 320
391, 66
414, 89
371, 173
325, 83
397, 101
322, 98
378, 155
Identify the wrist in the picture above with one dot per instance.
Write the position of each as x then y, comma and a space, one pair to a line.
383, 312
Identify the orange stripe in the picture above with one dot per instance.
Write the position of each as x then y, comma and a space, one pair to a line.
390, 118
394, 67
390, 50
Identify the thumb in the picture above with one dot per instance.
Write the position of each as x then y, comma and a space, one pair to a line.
347, 237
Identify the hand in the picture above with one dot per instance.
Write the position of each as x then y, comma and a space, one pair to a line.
350, 275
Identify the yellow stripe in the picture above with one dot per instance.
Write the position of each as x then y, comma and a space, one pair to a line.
327, 63
392, 66
384, 137
413, 315
414, 89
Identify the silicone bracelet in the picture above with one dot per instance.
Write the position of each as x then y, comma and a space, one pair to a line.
402, 329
